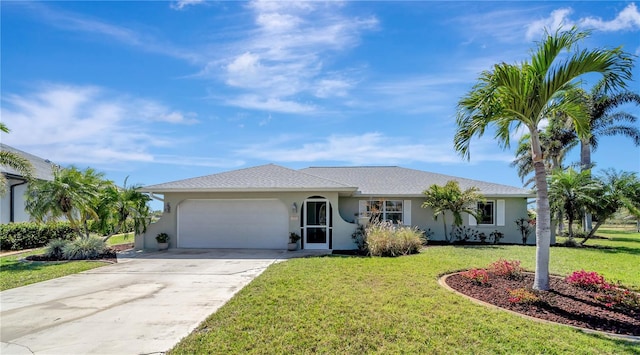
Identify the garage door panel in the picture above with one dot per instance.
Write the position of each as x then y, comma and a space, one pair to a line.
259, 224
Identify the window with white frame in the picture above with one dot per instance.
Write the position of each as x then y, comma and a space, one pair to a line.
486, 211
386, 210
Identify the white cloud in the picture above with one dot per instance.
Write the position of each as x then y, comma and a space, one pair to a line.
91, 125
271, 104
368, 148
81, 23
181, 4
284, 57
557, 19
627, 19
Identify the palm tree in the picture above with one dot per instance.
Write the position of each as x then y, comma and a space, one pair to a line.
605, 122
14, 161
571, 191
71, 194
617, 190
556, 140
120, 205
513, 95
451, 198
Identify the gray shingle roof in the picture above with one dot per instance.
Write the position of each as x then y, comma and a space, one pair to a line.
260, 178
42, 168
393, 180
370, 181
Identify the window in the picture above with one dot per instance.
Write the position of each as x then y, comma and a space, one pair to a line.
486, 212
390, 210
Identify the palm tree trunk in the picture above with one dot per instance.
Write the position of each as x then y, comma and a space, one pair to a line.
543, 225
444, 220
585, 164
592, 232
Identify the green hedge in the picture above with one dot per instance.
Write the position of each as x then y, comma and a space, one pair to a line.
26, 235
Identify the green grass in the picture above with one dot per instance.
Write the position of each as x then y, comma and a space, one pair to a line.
121, 239
395, 305
16, 273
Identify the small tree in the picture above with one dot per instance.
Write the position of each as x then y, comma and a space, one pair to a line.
71, 194
524, 226
571, 191
617, 190
451, 198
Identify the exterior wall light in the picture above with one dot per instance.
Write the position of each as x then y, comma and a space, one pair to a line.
294, 208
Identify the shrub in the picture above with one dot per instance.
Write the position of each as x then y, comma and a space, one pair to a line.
55, 248
463, 234
359, 238
386, 239
26, 235
84, 248
617, 297
497, 236
523, 296
588, 280
509, 269
478, 276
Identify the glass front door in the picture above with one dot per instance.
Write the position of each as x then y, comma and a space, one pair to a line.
316, 224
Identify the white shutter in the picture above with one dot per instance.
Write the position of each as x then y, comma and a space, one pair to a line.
406, 212
472, 221
362, 208
500, 213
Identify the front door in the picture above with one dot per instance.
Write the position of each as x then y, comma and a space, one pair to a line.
317, 224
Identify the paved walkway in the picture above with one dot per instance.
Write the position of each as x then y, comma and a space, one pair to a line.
143, 304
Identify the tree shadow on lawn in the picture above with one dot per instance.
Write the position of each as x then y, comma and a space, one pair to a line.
19, 265
610, 249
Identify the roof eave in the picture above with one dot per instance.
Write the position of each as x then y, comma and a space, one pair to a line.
254, 189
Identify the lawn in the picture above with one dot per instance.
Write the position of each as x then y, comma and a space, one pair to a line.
16, 273
395, 305
121, 239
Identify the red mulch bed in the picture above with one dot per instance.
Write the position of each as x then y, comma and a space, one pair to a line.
563, 303
109, 255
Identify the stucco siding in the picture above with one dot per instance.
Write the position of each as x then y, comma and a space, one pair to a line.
342, 229
19, 214
422, 218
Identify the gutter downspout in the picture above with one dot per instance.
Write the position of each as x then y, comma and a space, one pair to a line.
12, 201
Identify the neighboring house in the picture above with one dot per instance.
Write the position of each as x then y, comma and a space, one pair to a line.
13, 200
258, 207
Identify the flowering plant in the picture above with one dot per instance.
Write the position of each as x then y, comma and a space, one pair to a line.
588, 280
522, 295
509, 269
620, 298
478, 276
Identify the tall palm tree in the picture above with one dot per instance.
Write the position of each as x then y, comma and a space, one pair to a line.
556, 140
513, 95
451, 198
14, 161
605, 121
71, 194
571, 191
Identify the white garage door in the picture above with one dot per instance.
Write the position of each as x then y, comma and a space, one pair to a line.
254, 224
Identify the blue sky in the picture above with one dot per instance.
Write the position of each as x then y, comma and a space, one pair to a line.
161, 91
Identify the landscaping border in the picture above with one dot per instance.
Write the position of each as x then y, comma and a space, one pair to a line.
442, 282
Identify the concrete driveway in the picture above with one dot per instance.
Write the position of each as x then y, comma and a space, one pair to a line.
143, 304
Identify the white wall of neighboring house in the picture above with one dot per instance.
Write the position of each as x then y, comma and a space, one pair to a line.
19, 213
